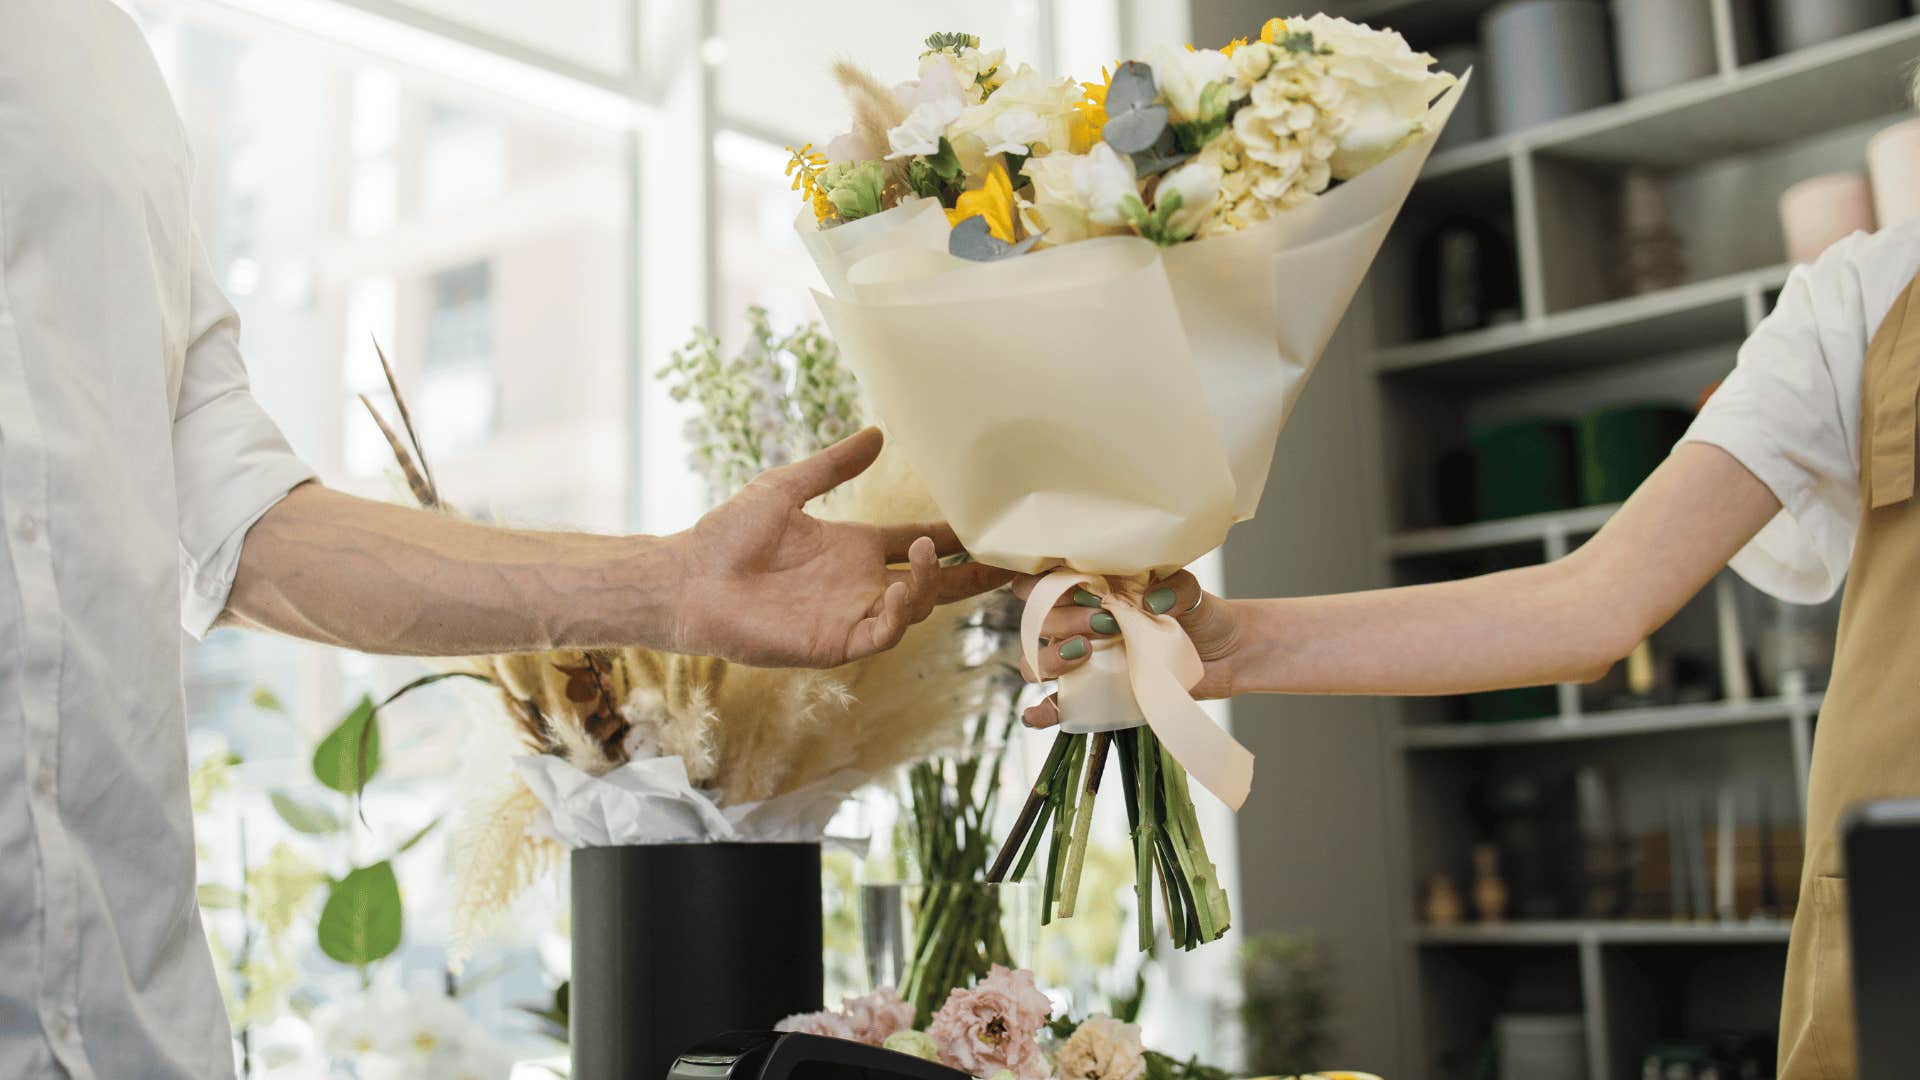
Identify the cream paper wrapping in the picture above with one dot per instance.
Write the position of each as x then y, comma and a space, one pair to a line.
1108, 406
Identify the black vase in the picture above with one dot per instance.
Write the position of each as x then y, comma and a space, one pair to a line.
675, 943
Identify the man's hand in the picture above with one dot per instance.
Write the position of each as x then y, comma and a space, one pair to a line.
768, 584
1213, 624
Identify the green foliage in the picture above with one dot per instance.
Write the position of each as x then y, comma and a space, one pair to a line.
555, 1015
350, 754
1301, 42
305, 817
362, 919
263, 698
952, 41
1156, 224
223, 897
936, 175
1285, 1010
1216, 112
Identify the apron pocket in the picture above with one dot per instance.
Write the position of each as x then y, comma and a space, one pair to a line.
1831, 1028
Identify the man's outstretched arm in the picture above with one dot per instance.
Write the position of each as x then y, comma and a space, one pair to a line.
757, 580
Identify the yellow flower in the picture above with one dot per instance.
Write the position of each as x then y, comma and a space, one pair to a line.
805, 167
1272, 31
992, 200
1230, 46
1089, 114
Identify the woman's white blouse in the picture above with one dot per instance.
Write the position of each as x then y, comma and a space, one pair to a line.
132, 461
1790, 412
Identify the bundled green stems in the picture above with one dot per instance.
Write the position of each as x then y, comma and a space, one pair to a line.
957, 934
1167, 844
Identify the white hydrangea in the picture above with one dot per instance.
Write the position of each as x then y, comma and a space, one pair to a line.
1279, 150
1388, 89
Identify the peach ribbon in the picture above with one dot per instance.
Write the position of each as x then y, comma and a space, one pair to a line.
1162, 666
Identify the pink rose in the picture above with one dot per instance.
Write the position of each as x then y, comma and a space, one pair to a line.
877, 1015
992, 1026
819, 1023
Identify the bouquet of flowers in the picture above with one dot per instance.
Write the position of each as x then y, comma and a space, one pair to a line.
1084, 311
1003, 1028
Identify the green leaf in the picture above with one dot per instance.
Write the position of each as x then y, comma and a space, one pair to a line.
350, 754
264, 698
304, 817
944, 162
409, 843
218, 896
361, 921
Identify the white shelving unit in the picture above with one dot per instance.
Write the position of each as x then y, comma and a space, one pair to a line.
1723, 147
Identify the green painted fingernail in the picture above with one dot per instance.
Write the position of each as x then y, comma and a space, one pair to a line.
1103, 622
1085, 598
1160, 601
1074, 650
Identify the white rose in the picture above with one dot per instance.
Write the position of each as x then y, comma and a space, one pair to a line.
1028, 113
1198, 183
1387, 89
1076, 196
1181, 74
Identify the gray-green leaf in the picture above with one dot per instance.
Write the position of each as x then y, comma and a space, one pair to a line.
973, 239
361, 921
1135, 119
305, 817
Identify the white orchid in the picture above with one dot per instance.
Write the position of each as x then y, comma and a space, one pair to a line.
1388, 88
1183, 74
1076, 196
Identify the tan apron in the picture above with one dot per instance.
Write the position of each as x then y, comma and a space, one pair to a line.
1867, 744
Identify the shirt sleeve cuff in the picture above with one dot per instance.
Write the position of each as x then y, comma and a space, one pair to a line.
1801, 555
206, 582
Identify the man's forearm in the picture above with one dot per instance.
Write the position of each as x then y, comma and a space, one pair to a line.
378, 578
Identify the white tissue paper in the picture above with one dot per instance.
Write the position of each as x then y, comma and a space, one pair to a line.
651, 801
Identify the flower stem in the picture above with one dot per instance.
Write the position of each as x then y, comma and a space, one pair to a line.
1030, 816
1083, 823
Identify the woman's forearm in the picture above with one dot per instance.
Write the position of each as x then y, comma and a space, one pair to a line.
1560, 622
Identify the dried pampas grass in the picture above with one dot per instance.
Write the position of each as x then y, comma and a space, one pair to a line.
496, 860
875, 112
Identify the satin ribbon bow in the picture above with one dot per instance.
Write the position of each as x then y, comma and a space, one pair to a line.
1162, 666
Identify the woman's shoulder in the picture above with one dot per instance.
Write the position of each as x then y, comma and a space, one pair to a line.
1856, 281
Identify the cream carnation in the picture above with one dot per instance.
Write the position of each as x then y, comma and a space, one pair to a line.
1076, 196
1103, 1049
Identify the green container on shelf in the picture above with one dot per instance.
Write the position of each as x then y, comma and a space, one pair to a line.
1504, 706
1621, 446
1524, 467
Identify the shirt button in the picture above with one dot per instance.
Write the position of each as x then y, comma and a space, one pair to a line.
25, 529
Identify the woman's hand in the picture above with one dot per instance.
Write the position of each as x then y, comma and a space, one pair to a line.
1078, 620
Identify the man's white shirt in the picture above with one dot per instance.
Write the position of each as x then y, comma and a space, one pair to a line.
132, 461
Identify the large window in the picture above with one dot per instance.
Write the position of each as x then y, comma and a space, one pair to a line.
528, 205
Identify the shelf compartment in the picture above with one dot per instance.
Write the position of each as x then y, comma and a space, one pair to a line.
1616, 331
1765, 103
1604, 725
1506, 532
1605, 932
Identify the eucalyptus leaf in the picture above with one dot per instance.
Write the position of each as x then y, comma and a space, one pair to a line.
350, 754
1135, 118
305, 817
1163, 155
972, 239
362, 921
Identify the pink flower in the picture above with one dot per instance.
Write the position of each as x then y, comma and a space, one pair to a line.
992, 1026
819, 1023
877, 1015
